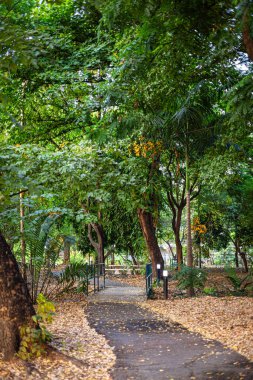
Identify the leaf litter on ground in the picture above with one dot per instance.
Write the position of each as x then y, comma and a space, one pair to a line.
227, 319
77, 351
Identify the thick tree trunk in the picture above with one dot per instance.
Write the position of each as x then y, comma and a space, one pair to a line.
244, 260
16, 307
247, 39
148, 230
66, 257
179, 248
242, 255
176, 223
99, 244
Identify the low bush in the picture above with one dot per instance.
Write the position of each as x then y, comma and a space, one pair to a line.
34, 339
189, 278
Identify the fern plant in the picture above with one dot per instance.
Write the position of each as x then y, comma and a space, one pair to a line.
189, 278
239, 284
43, 251
76, 276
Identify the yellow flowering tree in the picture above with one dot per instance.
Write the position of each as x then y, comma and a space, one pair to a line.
199, 231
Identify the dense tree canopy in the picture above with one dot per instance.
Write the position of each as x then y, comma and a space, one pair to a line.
136, 90
123, 126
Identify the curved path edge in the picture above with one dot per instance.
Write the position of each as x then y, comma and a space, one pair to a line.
149, 348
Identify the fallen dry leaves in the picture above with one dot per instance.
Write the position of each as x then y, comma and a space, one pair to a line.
78, 351
132, 280
226, 319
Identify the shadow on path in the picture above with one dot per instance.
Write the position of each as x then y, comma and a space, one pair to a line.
149, 348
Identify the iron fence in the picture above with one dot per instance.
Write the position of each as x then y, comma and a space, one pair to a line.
95, 278
149, 279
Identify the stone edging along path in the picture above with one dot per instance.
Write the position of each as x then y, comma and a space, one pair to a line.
146, 347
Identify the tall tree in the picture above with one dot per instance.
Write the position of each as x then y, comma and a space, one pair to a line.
16, 307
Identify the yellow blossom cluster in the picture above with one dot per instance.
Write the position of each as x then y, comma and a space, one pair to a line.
146, 149
197, 227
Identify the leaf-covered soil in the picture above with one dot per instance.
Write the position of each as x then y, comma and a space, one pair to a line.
226, 319
132, 280
216, 280
77, 352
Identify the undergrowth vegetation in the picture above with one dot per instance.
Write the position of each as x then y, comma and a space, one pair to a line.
35, 337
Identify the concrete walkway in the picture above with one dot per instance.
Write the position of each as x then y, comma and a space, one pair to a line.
149, 348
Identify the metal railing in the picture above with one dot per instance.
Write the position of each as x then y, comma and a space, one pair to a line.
124, 269
95, 279
149, 280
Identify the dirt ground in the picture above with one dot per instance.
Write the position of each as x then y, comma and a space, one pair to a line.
78, 351
228, 320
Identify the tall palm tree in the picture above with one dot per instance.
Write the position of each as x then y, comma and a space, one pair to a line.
188, 120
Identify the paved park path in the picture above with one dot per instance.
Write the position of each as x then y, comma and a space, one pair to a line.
148, 348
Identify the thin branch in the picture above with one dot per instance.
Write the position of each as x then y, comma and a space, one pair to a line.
19, 192
195, 194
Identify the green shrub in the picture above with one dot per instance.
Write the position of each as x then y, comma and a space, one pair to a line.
233, 278
190, 278
157, 284
34, 339
210, 291
77, 257
75, 277
240, 285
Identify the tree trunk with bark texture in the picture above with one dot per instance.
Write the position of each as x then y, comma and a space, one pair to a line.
242, 255
177, 209
148, 230
236, 257
179, 248
190, 290
189, 236
176, 223
247, 39
16, 308
244, 260
99, 244
66, 258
